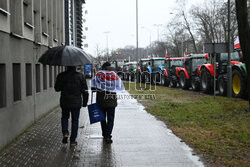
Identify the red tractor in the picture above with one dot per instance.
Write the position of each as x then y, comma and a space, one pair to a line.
189, 74
238, 75
169, 73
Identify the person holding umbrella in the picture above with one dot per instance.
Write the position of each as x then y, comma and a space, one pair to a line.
107, 83
71, 84
74, 95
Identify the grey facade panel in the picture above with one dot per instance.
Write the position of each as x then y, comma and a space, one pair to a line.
17, 116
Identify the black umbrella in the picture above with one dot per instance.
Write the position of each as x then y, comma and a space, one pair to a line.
65, 56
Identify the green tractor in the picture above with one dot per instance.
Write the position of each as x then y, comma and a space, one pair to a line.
239, 75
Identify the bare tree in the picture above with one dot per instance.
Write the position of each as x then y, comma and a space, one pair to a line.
98, 53
211, 21
188, 28
183, 19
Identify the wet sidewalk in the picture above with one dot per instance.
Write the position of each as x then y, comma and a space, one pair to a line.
138, 140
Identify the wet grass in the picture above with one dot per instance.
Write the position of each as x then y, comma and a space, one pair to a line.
218, 130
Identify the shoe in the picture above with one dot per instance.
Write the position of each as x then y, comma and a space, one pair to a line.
73, 143
65, 139
108, 140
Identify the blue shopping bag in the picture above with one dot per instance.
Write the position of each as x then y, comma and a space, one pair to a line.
95, 113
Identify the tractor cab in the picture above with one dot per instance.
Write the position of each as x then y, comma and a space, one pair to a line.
169, 73
125, 67
133, 66
129, 70
143, 64
120, 63
154, 70
172, 63
195, 61
189, 74
157, 64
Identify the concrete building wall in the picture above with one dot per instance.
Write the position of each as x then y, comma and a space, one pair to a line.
26, 31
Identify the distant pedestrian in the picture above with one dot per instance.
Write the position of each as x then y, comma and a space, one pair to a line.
74, 95
106, 83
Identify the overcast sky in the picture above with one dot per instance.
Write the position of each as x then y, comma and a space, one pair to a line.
119, 18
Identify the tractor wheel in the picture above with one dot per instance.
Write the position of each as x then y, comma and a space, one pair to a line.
206, 81
123, 76
183, 81
148, 77
127, 76
132, 76
238, 84
173, 82
143, 76
138, 75
195, 83
153, 78
164, 79
222, 85
157, 77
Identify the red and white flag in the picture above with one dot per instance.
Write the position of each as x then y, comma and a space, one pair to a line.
166, 56
237, 43
107, 81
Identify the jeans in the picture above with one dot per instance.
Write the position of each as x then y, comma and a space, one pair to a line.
108, 123
75, 121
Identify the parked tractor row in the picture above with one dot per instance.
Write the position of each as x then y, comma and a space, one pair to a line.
196, 71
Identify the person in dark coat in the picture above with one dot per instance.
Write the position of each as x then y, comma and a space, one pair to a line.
74, 95
107, 101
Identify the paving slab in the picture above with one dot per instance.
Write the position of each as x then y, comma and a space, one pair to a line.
139, 139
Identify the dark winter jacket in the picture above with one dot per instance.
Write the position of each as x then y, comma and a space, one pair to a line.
106, 100
73, 89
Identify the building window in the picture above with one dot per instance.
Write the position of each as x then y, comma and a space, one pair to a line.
50, 76
28, 79
27, 13
3, 5
2, 86
55, 73
16, 81
38, 78
16, 18
44, 77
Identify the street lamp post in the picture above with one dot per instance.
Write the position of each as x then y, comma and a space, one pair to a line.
158, 34
149, 38
149, 34
107, 32
137, 57
229, 66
